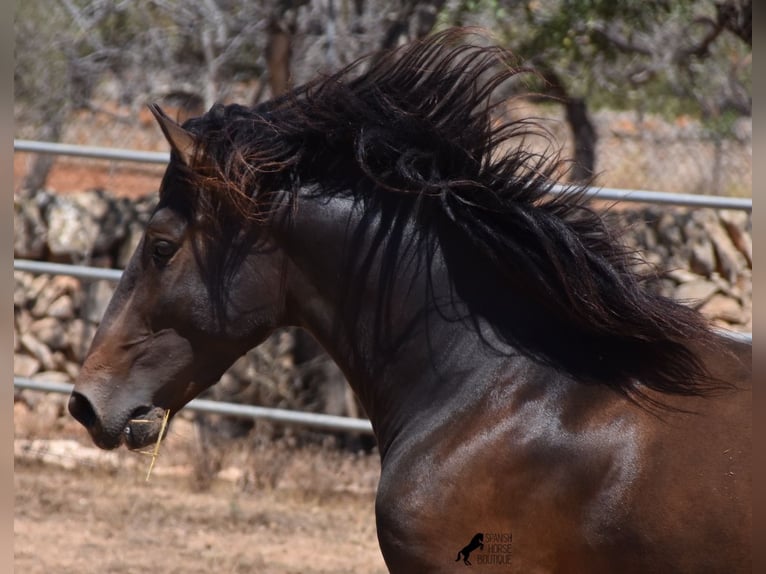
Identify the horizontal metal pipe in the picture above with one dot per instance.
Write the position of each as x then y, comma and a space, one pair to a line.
284, 416
666, 198
736, 335
80, 271
93, 152
607, 193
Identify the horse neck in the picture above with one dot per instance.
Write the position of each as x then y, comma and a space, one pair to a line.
417, 357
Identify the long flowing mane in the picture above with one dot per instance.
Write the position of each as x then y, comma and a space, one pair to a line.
417, 132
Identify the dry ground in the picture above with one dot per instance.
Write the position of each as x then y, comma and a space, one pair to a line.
272, 509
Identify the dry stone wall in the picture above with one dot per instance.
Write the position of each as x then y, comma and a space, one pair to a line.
708, 253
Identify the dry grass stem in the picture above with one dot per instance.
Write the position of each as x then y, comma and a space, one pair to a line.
159, 441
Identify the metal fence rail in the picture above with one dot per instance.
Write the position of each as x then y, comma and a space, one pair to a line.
93, 152
79, 271
668, 198
631, 195
283, 416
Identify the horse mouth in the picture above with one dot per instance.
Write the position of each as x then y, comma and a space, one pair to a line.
144, 427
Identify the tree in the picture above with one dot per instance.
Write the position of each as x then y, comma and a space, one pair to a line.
66, 49
307, 37
660, 55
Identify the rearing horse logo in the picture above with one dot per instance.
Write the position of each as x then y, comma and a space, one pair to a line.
476, 542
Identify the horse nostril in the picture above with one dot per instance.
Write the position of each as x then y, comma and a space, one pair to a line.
81, 409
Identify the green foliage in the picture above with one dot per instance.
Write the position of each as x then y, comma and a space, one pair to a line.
622, 53
41, 74
614, 53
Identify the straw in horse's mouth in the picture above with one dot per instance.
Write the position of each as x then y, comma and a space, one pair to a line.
143, 427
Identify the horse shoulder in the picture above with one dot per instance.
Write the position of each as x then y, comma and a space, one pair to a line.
535, 470
576, 476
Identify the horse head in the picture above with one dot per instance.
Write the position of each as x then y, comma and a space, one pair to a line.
166, 334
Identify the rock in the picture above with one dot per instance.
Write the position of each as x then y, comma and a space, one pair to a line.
50, 332
22, 320
59, 361
697, 292
736, 224
681, 275
25, 365
38, 350
724, 309
696, 224
702, 258
99, 293
64, 284
95, 203
62, 308
72, 231
30, 232
80, 334
663, 286
724, 286
668, 231
21, 284
19, 296
730, 260
65, 453
50, 408
53, 288
110, 219
28, 398
36, 287
735, 218
72, 369
242, 371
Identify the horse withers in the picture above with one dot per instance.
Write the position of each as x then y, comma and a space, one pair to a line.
521, 379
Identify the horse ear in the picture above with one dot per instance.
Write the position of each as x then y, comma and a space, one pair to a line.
179, 139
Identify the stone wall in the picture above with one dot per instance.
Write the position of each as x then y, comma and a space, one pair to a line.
709, 254
706, 255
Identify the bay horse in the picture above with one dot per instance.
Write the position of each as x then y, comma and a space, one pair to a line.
522, 378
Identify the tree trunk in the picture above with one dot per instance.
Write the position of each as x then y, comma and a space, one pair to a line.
278, 56
424, 15
584, 133
585, 137
737, 17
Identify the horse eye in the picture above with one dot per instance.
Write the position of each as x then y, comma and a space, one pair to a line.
162, 250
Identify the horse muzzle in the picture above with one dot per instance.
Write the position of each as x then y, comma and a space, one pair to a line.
135, 427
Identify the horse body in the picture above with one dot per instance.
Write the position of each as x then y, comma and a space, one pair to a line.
487, 417
586, 480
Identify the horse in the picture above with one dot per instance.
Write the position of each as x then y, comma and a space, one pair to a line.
522, 377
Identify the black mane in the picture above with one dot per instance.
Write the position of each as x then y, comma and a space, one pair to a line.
419, 128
